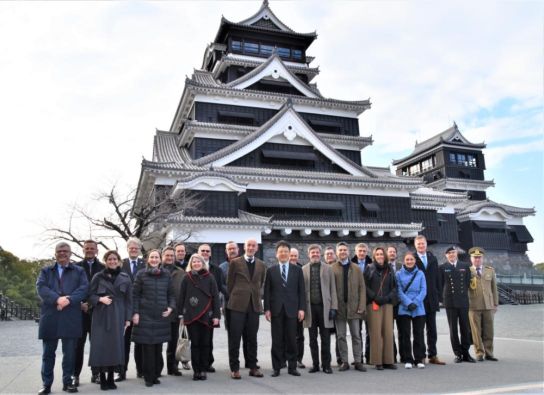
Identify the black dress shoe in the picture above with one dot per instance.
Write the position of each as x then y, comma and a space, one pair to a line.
104, 386
480, 358
149, 384
390, 366
75, 381
300, 365
458, 359
327, 370
196, 376
210, 369
275, 373
313, 369
186, 366
156, 381
204, 376
69, 388
44, 390
489, 358
293, 372
121, 377
344, 367
468, 358
174, 372
379, 367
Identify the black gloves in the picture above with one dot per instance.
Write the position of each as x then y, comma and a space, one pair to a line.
412, 306
332, 314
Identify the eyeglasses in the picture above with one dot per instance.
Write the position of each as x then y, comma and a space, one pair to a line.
205, 251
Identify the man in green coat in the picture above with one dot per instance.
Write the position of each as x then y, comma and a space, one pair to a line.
483, 302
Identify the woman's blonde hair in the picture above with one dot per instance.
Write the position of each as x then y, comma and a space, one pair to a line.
200, 258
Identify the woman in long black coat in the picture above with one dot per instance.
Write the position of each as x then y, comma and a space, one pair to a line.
199, 304
111, 296
153, 302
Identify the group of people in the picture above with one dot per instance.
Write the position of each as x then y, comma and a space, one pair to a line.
120, 302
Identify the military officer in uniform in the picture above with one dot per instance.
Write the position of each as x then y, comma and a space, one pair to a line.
483, 300
455, 278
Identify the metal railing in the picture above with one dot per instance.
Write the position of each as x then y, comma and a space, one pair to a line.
10, 310
521, 279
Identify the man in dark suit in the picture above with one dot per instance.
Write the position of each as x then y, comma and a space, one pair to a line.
428, 263
455, 279
284, 304
180, 252
61, 288
245, 280
131, 265
91, 265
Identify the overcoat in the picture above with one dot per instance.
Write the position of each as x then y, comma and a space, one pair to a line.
328, 293
152, 294
108, 324
67, 323
432, 300
356, 291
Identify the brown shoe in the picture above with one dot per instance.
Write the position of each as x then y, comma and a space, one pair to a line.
255, 373
235, 375
344, 367
436, 361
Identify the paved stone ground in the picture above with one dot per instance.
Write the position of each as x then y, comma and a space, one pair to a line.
519, 345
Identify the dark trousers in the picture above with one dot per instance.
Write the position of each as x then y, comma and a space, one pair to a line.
399, 339
458, 321
284, 340
137, 352
151, 356
318, 324
408, 325
171, 362
430, 326
200, 337
211, 359
244, 335
80, 345
240, 323
300, 341
48, 360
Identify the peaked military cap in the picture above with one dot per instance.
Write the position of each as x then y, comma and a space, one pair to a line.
476, 251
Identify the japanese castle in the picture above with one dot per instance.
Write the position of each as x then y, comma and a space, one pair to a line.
269, 157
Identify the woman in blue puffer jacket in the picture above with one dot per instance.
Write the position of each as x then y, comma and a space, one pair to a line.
412, 289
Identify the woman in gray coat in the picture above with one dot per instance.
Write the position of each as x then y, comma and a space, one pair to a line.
111, 296
154, 300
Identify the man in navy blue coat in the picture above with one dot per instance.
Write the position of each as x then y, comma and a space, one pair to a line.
61, 288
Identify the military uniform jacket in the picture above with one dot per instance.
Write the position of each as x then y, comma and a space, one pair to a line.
482, 293
454, 283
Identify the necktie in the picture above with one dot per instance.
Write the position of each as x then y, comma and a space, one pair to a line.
424, 260
284, 274
133, 263
479, 271
61, 272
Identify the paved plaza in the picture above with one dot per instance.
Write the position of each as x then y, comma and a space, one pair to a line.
519, 344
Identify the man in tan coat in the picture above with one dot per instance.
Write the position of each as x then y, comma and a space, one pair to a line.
321, 307
245, 280
351, 296
483, 302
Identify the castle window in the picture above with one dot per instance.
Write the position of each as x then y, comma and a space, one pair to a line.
267, 49
284, 52
471, 160
427, 164
297, 54
251, 47
236, 46
414, 169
